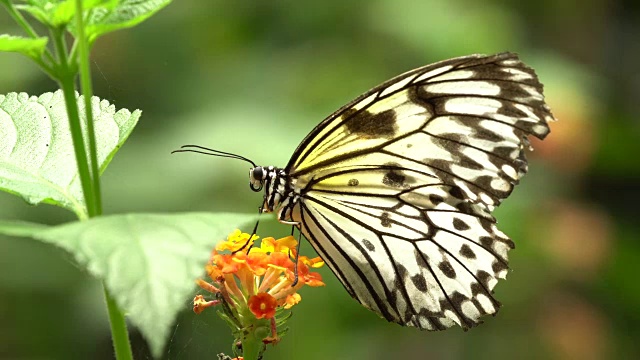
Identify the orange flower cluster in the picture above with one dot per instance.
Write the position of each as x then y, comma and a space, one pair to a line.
259, 279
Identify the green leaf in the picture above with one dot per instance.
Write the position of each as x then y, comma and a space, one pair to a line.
32, 48
36, 10
20, 228
57, 13
103, 16
149, 262
36, 151
63, 13
66, 10
127, 13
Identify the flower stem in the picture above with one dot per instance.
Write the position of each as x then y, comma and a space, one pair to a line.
66, 81
85, 82
252, 346
119, 334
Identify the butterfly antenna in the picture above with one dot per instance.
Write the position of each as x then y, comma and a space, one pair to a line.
212, 152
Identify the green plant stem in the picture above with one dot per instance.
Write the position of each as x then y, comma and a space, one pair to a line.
119, 333
15, 14
66, 81
85, 82
73, 53
252, 346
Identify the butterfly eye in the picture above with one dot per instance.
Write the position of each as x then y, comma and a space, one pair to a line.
256, 176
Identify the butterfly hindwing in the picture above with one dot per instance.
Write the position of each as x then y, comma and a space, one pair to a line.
416, 255
396, 188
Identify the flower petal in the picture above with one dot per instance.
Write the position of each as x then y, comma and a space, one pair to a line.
263, 305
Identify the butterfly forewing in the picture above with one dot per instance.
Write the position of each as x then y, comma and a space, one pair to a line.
463, 120
396, 188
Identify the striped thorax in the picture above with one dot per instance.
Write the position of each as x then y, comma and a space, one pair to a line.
277, 190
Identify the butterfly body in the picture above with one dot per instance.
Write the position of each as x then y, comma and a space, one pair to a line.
280, 193
395, 189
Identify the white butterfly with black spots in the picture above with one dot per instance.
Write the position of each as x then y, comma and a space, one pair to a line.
395, 189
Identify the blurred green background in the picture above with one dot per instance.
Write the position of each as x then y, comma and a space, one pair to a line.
254, 77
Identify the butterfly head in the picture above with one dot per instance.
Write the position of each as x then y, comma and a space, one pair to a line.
275, 182
257, 175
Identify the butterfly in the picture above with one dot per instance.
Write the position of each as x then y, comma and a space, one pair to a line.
395, 189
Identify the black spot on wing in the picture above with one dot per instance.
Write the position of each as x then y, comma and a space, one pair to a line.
467, 252
484, 278
486, 134
465, 207
367, 124
419, 282
368, 245
459, 224
498, 266
457, 193
394, 178
508, 109
353, 182
469, 163
457, 299
385, 220
447, 269
435, 199
403, 275
486, 241
505, 151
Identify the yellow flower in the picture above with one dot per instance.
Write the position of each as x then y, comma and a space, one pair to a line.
270, 245
254, 283
237, 240
315, 263
291, 300
269, 269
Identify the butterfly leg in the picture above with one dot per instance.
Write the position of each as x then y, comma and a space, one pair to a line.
283, 216
297, 253
255, 229
295, 263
